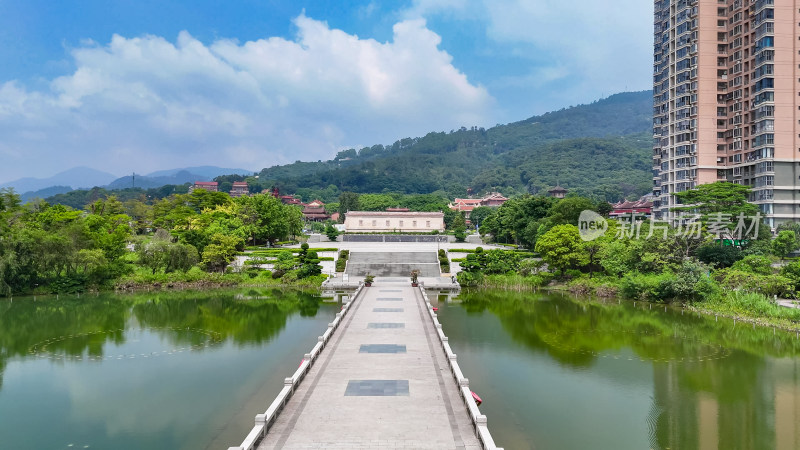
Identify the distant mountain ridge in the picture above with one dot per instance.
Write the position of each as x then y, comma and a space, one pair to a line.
85, 178
205, 171
76, 178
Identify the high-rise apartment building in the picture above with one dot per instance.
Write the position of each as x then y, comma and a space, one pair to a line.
726, 91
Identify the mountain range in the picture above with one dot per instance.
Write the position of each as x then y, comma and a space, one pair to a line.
85, 178
602, 149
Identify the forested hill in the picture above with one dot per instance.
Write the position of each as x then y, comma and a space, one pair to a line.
601, 148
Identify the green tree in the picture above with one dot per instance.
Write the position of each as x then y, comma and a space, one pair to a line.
309, 265
479, 214
219, 253
757, 264
518, 220
162, 255
719, 256
348, 201
618, 257
784, 243
721, 197
460, 227
331, 232
562, 248
275, 221
285, 261
201, 199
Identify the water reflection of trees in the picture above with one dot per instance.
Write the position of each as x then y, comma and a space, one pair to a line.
727, 403
245, 318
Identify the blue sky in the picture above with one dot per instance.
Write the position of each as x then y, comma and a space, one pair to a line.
143, 85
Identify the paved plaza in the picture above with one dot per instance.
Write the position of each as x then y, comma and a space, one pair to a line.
392, 264
382, 382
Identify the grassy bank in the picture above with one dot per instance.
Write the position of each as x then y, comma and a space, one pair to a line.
750, 307
196, 279
743, 306
510, 281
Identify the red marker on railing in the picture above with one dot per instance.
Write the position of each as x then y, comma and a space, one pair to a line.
477, 399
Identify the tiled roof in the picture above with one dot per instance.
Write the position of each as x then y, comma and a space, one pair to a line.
468, 201
494, 196
205, 183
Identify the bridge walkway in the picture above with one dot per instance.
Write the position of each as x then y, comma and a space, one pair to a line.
382, 382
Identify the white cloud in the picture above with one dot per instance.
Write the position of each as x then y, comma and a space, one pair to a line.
146, 103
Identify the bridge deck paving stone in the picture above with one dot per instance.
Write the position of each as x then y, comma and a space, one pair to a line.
432, 415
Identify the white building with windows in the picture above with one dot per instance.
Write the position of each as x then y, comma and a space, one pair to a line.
393, 221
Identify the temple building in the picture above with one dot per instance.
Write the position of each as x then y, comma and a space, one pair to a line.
239, 189
393, 221
466, 205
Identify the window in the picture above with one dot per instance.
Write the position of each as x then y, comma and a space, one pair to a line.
427, 223
387, 223
361, 223
374, 223
414, 224
401, 224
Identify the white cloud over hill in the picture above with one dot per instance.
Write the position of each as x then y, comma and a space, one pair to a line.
145, 103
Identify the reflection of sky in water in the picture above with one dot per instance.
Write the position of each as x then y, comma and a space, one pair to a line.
179, 400
138, 343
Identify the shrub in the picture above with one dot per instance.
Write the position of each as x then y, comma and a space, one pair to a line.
757, 264
692, 282
530, 266
649, 287
582, 286
719, 256
469, 278
733, 279
290, 277
792, 272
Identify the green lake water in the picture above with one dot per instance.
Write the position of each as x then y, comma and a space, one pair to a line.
189, 370
556, 373
155, 371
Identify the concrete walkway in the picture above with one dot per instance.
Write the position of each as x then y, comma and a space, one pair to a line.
382, 382
789, 303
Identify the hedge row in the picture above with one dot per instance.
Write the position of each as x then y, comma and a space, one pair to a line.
341, 263
444, 262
